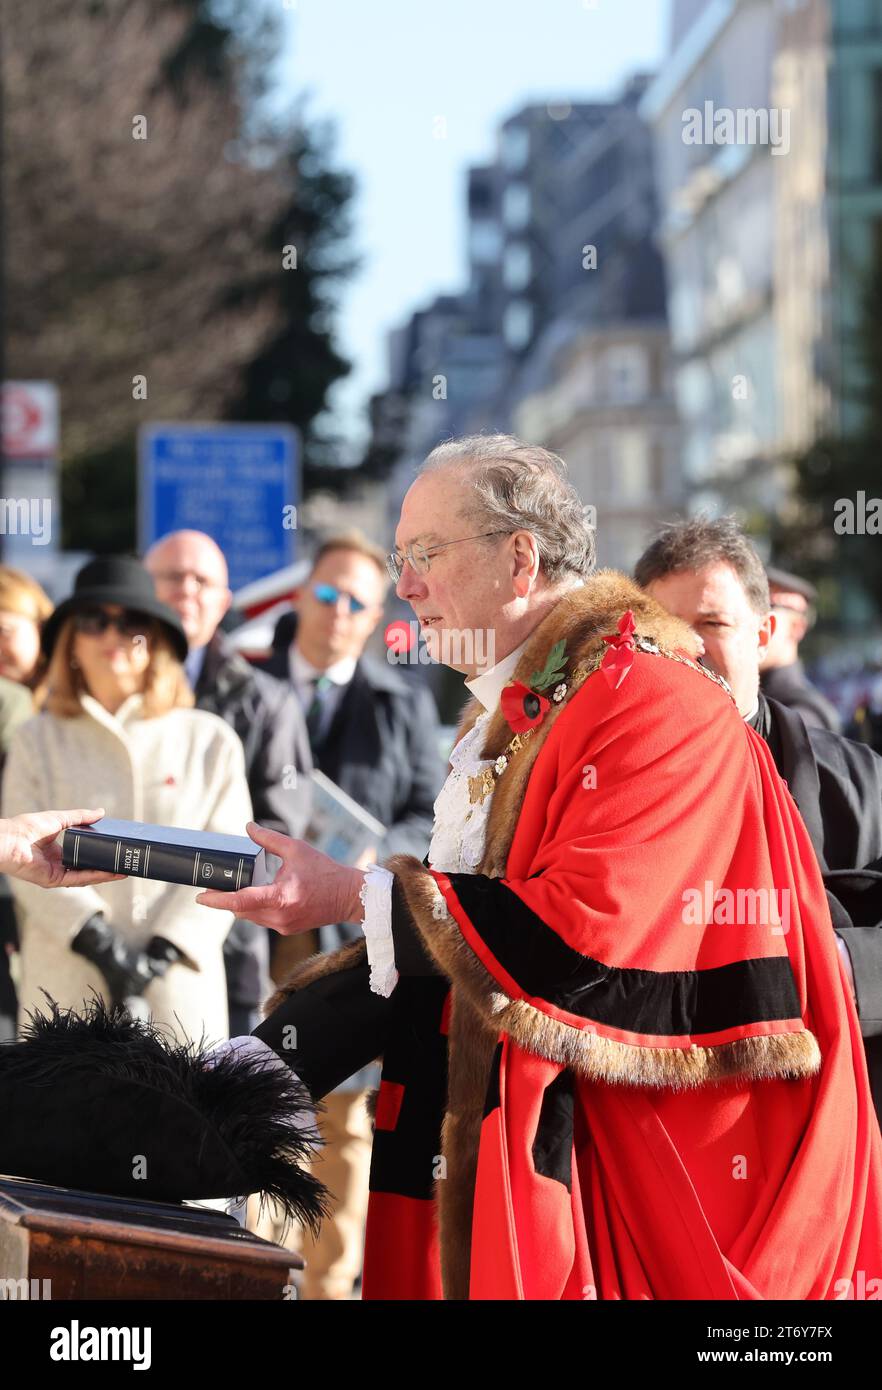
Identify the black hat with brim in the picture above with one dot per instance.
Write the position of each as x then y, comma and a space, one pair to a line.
118, 579
791, 583
104, 1102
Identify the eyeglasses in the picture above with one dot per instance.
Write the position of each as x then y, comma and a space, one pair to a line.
417, 555
330, 594
178, 578
94, 621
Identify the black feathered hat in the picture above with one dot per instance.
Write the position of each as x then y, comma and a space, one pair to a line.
104, 1102
115, 579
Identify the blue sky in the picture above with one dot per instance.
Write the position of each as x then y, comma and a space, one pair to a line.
385, 71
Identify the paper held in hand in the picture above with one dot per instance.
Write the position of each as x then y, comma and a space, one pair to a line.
338, 826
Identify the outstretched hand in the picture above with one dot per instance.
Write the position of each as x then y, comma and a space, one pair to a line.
28, 849
310, 889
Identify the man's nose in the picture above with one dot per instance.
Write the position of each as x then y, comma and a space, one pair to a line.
410, 584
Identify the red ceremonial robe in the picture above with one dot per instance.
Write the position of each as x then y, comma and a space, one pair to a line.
677, 1194
655, 1084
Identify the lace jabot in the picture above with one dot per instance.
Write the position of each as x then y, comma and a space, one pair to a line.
460, 827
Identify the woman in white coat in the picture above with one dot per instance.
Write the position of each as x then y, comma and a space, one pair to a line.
118, 730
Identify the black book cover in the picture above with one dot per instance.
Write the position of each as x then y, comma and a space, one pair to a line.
201, 858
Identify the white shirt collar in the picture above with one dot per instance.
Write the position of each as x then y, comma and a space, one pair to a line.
303, 671
489, 685
752, 715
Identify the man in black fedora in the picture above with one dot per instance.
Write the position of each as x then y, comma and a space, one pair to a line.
783, 676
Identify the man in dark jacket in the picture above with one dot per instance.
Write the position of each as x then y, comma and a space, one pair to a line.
783, 676
374, 732
190, 574
373, 727
708, 573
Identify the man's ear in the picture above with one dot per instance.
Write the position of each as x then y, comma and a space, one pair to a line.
525, 562
765, 633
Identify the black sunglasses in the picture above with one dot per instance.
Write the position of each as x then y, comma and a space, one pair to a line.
95, 621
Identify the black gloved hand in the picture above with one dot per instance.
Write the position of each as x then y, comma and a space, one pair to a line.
161, 954
126, 969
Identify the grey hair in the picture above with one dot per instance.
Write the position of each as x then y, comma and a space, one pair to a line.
514, 486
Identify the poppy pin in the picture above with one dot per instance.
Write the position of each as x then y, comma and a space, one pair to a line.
522, 705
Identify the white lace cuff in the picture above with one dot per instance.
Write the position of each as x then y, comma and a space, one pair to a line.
376, 894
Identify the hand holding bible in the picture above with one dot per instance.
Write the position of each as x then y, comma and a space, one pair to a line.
309, 890
28, 849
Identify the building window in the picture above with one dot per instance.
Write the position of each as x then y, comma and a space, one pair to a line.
517, 324
516, 266
485, 241
632, 467
657, 468
515, 147
516, 206
627, 375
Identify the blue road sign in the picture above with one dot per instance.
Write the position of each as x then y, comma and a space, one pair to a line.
238, 483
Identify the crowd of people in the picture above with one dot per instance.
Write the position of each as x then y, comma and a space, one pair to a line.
129, 696
143, 707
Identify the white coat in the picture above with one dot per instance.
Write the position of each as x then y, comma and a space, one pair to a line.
183, 768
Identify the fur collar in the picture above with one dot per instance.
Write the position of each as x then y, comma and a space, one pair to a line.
583, 617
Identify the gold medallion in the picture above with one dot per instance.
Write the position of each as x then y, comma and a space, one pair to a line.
481, 786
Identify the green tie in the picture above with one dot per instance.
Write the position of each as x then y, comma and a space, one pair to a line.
317, 708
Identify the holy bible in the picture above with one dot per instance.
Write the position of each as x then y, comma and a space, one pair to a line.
201, 858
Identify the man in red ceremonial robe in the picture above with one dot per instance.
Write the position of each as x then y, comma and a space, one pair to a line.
620, 1056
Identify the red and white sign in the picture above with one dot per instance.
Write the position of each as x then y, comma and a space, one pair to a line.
30, 419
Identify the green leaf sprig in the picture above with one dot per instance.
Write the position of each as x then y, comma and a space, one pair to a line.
553, 671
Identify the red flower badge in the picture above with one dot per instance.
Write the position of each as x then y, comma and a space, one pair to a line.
522, 707
620, 657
